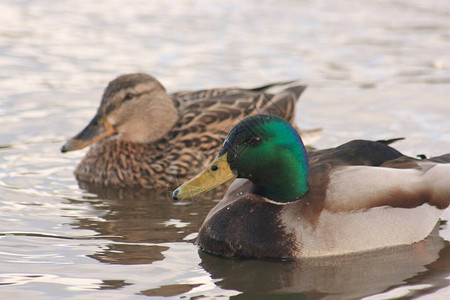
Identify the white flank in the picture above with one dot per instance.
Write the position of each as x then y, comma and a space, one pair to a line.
342, 233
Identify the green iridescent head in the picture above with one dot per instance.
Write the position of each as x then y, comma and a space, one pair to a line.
265, 149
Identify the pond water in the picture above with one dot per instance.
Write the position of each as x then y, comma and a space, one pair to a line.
375, 70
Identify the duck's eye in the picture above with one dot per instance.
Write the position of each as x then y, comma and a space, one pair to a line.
128, 96
254, 141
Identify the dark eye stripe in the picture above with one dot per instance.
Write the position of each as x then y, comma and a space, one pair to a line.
130, 95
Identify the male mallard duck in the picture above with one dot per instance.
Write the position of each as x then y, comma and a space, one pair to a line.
145, 137
359, 196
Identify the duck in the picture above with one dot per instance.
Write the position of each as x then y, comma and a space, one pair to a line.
286, 202
143, 137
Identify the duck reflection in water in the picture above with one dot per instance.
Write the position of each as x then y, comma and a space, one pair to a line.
137, 221
426, 263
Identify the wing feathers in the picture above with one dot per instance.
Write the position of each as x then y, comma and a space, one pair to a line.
359, 188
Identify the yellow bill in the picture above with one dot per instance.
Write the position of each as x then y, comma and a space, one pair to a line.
217, 172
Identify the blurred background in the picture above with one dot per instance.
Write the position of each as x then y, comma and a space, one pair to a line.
374, 70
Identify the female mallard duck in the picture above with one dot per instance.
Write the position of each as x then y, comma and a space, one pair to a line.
359, 196
145, 137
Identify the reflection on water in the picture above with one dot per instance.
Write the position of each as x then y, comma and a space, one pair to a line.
130, 254
140, 215
170, 290
348, 277
132, 218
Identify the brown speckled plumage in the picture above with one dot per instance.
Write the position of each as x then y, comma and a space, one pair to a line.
204, 119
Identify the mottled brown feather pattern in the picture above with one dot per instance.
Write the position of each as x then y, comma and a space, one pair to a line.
206, 117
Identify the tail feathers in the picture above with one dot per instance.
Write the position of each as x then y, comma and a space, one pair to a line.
296, 90
444, 159
282, 86
271, 85
390, 141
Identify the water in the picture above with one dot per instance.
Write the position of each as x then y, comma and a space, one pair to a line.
375, 69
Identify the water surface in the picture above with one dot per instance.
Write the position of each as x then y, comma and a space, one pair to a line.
375, 69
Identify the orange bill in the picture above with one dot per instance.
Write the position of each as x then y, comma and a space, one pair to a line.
97, 129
